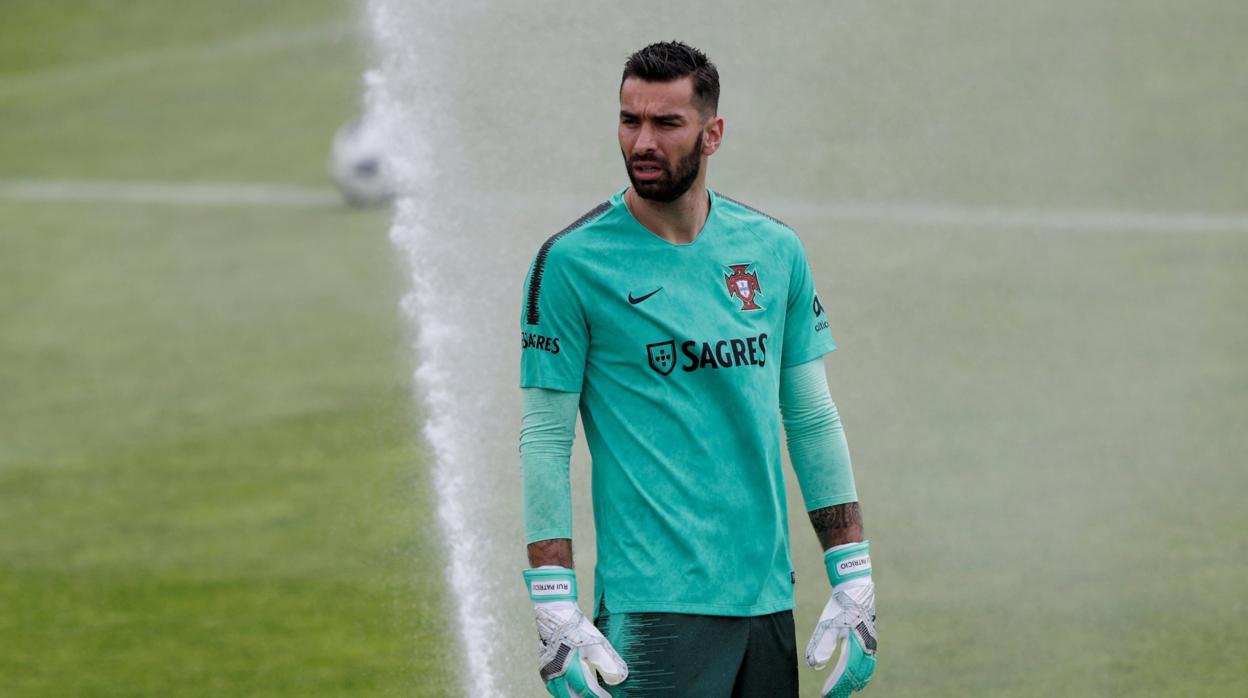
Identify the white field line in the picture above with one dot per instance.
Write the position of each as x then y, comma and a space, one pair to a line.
874, 213
927, 214
955, 215
160, 193
249, 44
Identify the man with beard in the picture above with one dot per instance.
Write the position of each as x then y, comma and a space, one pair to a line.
685, 327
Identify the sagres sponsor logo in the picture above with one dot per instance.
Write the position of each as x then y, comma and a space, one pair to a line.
662, 356
743, 284
695, 354
530, 340
560, 587
861, 563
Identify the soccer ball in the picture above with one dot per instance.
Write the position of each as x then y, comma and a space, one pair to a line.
357, 164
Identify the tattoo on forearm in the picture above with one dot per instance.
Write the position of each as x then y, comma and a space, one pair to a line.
837, 525
839, 516
554, 551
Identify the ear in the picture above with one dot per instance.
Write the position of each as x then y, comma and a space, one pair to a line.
712, 135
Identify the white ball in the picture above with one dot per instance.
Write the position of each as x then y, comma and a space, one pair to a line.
358, 166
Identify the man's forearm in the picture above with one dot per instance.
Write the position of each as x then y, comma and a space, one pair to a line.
555, 551
817, 446
835, 525
547, 427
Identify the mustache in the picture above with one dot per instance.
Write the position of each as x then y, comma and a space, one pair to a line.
647, 160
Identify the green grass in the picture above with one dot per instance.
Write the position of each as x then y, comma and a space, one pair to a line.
44, 36
245, 91
210, 480
1044, 429
272, 560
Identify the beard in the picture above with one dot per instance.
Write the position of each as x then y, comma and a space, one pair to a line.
674, 183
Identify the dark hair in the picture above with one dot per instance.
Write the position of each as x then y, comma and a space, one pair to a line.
666, 61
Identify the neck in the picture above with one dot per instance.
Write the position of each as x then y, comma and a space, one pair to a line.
677, 222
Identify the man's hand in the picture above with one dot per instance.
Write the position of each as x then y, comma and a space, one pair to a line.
572, 653
846, 627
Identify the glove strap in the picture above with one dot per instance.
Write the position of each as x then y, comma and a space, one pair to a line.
551, 584
846, 562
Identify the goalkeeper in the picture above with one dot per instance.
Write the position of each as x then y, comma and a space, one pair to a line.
684, 326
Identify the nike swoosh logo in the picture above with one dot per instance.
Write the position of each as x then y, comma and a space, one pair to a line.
639, 299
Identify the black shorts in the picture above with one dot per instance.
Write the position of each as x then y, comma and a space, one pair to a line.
694, 656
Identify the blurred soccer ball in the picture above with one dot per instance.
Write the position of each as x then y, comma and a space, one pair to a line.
357, 164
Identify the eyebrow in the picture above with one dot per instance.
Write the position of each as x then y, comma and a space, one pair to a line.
624, 113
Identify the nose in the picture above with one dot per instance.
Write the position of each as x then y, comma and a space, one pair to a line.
645, 142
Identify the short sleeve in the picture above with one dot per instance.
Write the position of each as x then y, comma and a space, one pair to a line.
554, 335
807, 335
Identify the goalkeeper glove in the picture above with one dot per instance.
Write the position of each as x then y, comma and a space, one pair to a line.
846, 627
572, 650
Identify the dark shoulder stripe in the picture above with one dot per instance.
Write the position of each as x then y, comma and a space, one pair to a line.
532, 316
751, 208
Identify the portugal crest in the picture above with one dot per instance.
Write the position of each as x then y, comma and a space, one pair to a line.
744, 285
662, 356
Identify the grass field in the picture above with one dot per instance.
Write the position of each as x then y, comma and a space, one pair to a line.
1047, 454
211, 478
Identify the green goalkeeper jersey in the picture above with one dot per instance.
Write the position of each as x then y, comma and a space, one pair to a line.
676, 351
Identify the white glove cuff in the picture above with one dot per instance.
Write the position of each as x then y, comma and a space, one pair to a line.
846, 562
550, 583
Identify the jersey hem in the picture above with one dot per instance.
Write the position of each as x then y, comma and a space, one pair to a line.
818, 354
831, 501
550, 385
546, 534
698, 609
